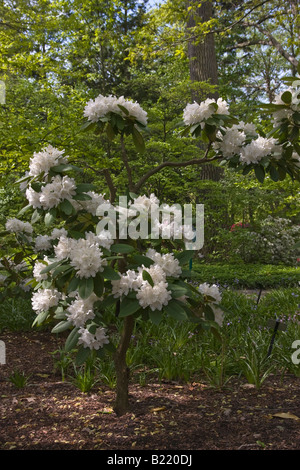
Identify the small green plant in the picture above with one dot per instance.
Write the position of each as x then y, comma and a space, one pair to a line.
19, 379
84, 378
107, 373
255, 364
62, 361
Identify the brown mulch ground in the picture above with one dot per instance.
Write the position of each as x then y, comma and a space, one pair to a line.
49, 414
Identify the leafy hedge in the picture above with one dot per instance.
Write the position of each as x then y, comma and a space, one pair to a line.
247, 275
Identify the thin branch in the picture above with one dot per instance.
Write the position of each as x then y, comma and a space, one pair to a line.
276, 44
126, 163
195, 161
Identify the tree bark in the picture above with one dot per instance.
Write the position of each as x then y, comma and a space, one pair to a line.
122, 371
203, 67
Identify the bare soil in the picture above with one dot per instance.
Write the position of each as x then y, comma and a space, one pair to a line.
51, 414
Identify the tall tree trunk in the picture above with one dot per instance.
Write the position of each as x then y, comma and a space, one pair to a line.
203, 66
122, 372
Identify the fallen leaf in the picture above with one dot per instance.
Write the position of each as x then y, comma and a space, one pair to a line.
154, 410
286, 416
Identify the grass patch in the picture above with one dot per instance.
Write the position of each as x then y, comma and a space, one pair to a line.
251, 276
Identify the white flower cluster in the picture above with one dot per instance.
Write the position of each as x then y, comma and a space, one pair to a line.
44, 299
233, 142
53, 193
92, 204
155, 296
16, 226
197, 113
102, 105
84, 254
257, 149
81, 310
213, 291
43, 242
93, 341
286, 113
43, 161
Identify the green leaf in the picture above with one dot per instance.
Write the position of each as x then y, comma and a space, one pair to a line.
61, 326
274, 173
175, 310
49, 219
73, 284
82, 355
140, 259
121, 248
259, 173
110, 131
155, 316
40, 318
178, 291
85, 187
110, 273
72, 339
286, 97
66, 207
146, 276
184, 256
51, 266
138, 140
61, 269
86, 287
128, 307
98, 285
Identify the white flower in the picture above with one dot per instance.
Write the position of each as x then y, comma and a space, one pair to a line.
38, 267
58, 232
93, 341
86, 258
44, 299
167, 262
92, 204
102, 105
63, 248
197, 113
154, 297
52, 193
222, 106
231, 143
43, 161
210, 291
81, 310
257, 149
33, 198
103, 239
42, 243
286, 113
127, 282
16, 225
56, 191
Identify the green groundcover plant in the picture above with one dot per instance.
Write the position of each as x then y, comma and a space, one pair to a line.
85, 271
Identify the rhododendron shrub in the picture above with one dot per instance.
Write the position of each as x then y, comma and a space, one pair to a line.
81, 270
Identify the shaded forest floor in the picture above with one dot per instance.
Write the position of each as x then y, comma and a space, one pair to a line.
48, 414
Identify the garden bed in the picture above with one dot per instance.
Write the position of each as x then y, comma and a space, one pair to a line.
50, 414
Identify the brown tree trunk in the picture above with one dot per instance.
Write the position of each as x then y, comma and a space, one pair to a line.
203, 67
122, 372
